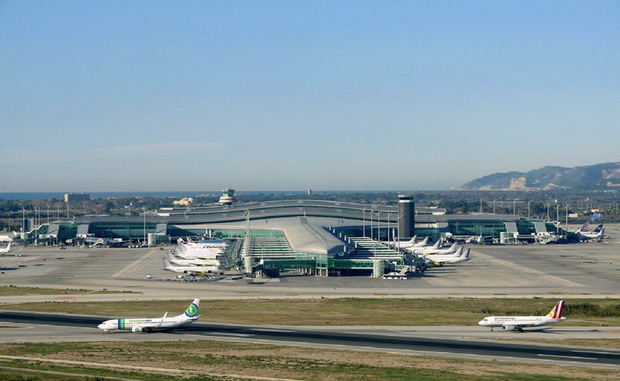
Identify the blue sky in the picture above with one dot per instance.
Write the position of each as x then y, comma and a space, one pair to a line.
288, 95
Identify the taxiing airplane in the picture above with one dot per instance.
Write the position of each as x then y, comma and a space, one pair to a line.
517, 323
156, 324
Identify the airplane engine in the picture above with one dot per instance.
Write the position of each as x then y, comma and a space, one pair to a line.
136, 329
509, 327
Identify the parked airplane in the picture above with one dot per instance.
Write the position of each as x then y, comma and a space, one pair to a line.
192, 269
410, 243
436, 250
595, 234
7, 249
461, 255
157, 324
517, 323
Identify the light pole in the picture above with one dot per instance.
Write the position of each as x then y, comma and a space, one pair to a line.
364, 222
144, 223
528, 209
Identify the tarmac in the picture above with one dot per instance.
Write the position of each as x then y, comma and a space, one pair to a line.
570, 270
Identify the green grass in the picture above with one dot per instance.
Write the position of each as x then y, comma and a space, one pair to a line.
349, 311
19, 291
205, 359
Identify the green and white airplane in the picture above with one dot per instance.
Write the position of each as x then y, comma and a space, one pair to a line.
157, 324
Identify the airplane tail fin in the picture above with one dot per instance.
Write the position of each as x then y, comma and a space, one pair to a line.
453, 247
558, 311
412, 240
424, 242
192, 311
598, 228
436, 245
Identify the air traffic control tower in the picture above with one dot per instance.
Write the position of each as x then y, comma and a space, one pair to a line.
406, 216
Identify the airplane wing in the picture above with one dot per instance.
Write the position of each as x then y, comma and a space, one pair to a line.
163, 318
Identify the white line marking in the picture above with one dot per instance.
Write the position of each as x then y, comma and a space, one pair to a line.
227, 334
568, 357
273, 330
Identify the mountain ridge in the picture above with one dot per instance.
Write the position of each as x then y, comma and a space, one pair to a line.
596, 176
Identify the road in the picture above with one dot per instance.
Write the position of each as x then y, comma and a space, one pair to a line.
344, 340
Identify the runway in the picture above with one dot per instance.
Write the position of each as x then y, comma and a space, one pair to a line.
42, 327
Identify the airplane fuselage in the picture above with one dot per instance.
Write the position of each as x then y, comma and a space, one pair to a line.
513, 323
145, 324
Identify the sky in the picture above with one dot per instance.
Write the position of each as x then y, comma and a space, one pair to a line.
290, 95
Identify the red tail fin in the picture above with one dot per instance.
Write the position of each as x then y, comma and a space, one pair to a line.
558, 311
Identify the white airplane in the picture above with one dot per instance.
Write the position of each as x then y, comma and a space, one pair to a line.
461, 255
595, 234
436, 250
191, 269
411, 244
157, 324
193, 261
517, 323
6, 249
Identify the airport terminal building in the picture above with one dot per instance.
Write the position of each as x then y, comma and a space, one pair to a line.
321, 237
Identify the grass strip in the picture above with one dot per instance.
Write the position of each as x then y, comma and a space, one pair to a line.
206, 357
349, 311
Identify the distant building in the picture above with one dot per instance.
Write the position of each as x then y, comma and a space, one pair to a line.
70, 197
185, 201
227, 197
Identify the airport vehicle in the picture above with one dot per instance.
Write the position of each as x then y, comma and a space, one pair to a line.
517, 323
585, 233
461, 255
7, 249
156, 324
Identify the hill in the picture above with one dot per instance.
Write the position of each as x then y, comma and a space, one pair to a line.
597, 176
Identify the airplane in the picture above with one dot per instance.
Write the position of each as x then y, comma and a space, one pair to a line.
192, 269
422, 244
157, 324
193, 261
6, 249
517, 323
595, 234
410, 243
461, 255
436, 250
